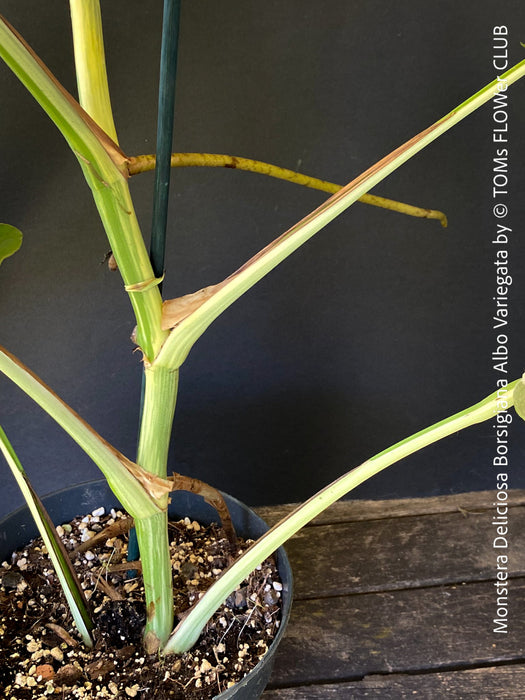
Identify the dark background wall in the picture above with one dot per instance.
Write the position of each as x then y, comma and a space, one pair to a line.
376, 328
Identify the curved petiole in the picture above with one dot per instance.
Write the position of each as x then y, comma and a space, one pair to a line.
188, 631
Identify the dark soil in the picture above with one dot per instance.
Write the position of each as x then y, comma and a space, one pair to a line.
42, 656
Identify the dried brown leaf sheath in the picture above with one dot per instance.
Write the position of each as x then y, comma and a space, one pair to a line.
175, 310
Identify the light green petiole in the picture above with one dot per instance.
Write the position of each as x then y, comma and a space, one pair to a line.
185, 334
105, 169
90, 63
188, 631
65, 571
122, 482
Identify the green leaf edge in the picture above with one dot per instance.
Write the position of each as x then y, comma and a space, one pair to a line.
10, 241
519, 398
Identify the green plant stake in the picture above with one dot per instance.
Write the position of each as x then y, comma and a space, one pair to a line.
168, 74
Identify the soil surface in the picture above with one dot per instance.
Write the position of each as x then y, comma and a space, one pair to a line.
42, 655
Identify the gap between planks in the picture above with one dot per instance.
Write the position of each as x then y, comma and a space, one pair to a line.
496, 682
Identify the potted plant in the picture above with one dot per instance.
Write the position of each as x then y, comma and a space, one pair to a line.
167, 330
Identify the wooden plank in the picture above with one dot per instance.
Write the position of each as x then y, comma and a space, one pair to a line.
496, 682
347, 511
407, 552
441, 628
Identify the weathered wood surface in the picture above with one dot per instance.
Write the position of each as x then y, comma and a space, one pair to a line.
349, 637
398, 553
496, 683
348, 511
402, 604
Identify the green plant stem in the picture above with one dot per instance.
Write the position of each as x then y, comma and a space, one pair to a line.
188, 631
152, 535
105, 168
168, 72
160, 387
90, 63
112, 195
117, 213
113, 200
141, 164
160, 394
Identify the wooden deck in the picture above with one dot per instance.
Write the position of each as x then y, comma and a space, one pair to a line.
397, 599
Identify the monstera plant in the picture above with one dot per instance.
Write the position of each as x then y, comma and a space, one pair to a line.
166, 330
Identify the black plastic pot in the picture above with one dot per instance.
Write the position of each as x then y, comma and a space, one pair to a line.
18, 528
